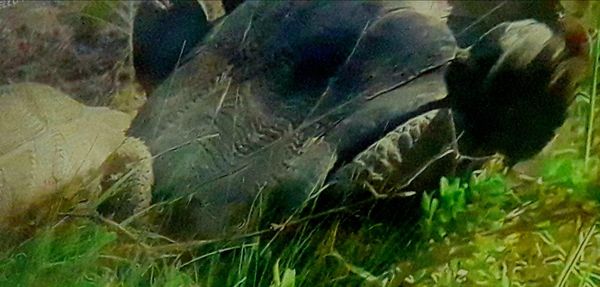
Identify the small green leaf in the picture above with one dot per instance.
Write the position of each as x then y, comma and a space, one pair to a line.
289, 278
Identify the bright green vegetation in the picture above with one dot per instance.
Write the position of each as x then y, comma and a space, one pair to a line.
535, 225
484, 230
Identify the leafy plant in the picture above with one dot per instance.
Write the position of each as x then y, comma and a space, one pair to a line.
461, 206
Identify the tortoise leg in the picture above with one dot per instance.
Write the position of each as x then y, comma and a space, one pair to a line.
127, 181
163, 33
411, 157
384, 181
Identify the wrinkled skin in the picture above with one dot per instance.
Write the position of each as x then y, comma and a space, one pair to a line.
283, 97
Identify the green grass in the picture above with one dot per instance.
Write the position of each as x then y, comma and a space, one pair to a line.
482, 230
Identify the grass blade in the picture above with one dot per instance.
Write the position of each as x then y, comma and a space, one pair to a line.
593, 95
574, 257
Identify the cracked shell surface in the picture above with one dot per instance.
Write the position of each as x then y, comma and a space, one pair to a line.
48, 140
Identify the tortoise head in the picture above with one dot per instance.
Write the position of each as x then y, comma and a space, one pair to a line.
511, 89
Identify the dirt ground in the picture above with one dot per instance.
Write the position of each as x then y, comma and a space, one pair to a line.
69, 45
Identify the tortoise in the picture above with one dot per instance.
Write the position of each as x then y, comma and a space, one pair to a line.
286, 102
54, 148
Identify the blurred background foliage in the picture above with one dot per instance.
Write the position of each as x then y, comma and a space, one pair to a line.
533, 225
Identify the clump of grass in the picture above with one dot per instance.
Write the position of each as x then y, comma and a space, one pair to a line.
58, 257
462, 206
593, 94
571, 172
